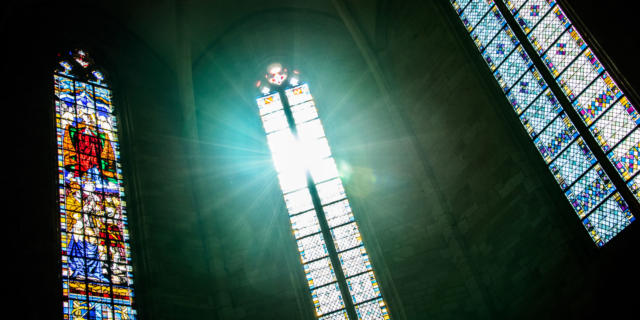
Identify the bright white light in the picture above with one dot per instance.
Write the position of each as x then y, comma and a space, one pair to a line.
265, 90
294, 81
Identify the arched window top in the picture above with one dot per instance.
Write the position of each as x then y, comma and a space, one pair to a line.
77, 64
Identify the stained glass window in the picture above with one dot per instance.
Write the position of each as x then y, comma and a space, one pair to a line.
594, 95
337, 266
585, 82
97, 276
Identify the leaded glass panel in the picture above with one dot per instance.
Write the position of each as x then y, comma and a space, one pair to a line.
608, 219
589, 190
319, 273
490, 25
372, 310
514, 5
363, 287
548, 30
500, 47
526, 89
327, 299
572, 163
555, 137
540, 113
305, 224
579, 74
340, 315
338, 213
330, 191
597, 98
354, 261
312, 248
531, 13
626, 156
346, 237
563, 51
615, 123
472, 14
459, 4
512, 68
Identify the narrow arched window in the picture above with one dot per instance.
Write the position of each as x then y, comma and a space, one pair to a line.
96, 260
339, 273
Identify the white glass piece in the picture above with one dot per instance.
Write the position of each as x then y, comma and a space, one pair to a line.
310, 130
275, 121
324, 170
304, 112
291, 180
298, 94
298, 201
331, 191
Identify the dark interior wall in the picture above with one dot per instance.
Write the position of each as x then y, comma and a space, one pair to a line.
459, 214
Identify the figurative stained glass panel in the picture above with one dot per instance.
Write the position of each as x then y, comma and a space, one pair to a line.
512, 68
572, 163
472, 14
597, 98
97, 276
589, 190
608, 220
526, 89
562, 52
540, 113
626, 156
580, 73
615, 123
490, 25
500, 47
531, 13
548, 30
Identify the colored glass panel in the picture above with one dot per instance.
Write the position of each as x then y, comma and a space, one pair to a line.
512, 68
459, 4
579, 74
327, 299
474, 12
634, 186
555, 137
97, 276
597, 98
626, 156
490, 25
525, 90
319, 273
608, 219
363, 287
572, 163
615, 123
589, 191
340, 315
531, 13
540, 113
564, 51
500, 47
305, 224
514, 5
548, 30
373, 310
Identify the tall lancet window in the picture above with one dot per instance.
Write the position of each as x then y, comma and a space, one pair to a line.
587, 131
96, 260
333, 256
